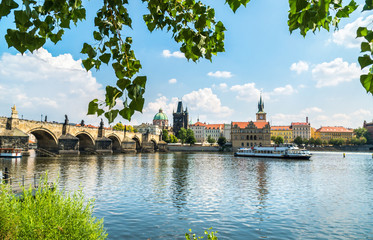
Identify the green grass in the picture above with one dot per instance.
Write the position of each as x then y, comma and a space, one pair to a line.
47, 214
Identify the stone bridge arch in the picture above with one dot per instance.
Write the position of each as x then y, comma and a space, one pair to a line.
155, 143
46, 139
86, 141
138, 143
116, 143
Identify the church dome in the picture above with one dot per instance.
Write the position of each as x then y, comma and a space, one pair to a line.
160, 115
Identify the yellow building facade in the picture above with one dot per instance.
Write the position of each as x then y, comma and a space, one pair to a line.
327, 133
284, 131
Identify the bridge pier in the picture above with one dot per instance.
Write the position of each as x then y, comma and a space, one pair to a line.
103, 145
68, 145
128, 145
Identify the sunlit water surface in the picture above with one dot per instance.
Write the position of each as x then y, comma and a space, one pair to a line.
161, 196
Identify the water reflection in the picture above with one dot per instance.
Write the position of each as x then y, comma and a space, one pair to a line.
179, 184
161, 196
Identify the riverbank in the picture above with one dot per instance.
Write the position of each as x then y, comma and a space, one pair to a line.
200, 148
362, 148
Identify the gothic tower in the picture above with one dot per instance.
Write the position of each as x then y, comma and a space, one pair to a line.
261, 115
180, 118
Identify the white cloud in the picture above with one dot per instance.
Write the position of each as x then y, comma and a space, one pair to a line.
203, 103
176, 54
220, 74
347, 36
206, 102
311, 110
168, 106
335, 72
247, 92
287, 90
172, 81
40, 83
223, 86
299, 67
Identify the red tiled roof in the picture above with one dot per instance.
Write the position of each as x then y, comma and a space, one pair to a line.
198, 124
244, 124
299, 123
281, 128
334, 129
215, 126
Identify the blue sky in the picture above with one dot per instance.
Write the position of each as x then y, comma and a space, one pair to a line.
316, 76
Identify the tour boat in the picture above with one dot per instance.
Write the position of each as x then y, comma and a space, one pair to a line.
10, 152
287, 151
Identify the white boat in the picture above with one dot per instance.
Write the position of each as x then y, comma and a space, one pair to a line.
10, 152
288, 151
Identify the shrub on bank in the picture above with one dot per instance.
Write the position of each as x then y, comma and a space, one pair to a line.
47, 214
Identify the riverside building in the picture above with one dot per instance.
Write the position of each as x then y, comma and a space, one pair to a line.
250, 134
284, 131
327, 133
301, 129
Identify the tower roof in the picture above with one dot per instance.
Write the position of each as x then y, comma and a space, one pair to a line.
180, 107
160, 115
261, 104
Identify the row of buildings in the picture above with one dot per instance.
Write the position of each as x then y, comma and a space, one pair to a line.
244, 134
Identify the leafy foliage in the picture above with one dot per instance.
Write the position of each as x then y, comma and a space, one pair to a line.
222, 141
210, 139
337, 141
298, 140
173, 138
279, 140
47, 214
307, 15
165, 136
210, 235
190, 137
192, 23
318, 142
120, 127
182, 135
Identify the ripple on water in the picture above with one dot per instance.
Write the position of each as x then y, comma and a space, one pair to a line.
161, 196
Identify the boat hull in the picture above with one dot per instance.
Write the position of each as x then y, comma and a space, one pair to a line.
298, 157
7, 155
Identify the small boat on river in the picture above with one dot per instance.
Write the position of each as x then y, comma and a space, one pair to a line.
286, 151
10, 152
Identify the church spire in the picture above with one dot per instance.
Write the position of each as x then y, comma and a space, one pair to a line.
261, 104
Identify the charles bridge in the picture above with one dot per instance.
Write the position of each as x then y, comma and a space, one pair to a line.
64, 138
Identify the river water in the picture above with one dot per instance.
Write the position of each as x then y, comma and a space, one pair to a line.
161, 196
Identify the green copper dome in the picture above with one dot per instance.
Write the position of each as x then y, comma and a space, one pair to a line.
160, 115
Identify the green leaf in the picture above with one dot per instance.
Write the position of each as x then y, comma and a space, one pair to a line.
97, 36
362, 32
367, 82
21, 17
127, 113
140, 80
105, 58
111, 115
368, 5
92, 107
365, 47
137, 104
112, 94
123, 83
88, 64
88, 49
365, 61
118, 68
6, 7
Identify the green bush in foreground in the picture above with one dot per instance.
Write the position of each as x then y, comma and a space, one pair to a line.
47, 214
210, 235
